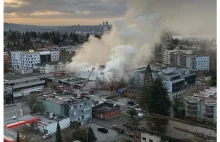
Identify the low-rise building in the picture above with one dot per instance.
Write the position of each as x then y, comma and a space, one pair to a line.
106, 111
17, 85
176, 79
70, 105
157, 128
202, 105
51, 67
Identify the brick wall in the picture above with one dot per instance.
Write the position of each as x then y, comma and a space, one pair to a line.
107, 116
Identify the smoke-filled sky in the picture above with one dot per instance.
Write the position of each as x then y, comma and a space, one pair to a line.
186, 14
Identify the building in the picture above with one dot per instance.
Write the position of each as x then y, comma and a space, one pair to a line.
186, 58
131, 92
202, 105
176, 79
67, 104
159, 128
28, 59
17, 85
51, 67
198, 62
106, 111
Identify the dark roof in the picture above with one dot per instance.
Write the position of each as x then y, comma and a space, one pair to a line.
105, 108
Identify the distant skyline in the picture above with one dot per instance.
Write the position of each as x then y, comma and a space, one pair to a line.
63, 12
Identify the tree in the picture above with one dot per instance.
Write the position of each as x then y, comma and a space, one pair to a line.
212, 81
157, 98
56, 40
178, 108
58, 133
31, 101
75, 38
91, 135
132, 113
18, 137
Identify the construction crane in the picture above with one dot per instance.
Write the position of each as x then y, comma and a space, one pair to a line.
87, 80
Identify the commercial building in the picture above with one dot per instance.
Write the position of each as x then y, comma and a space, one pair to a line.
106, 111
202, 105
28, 59
51, 67
17, 85
198, 62
67, 104
176, 79
157, 128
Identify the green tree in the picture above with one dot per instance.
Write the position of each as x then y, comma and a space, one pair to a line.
132, 113
58, 133
91, 135
31, 102
56, 40
157, 98
75, 38
212, 81
18, 137
178, 108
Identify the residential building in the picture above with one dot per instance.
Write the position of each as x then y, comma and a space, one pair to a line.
17, 85
198, 62
77, 108
51, 67
28, 59
176, 79
202, 105
157, 128
106, 111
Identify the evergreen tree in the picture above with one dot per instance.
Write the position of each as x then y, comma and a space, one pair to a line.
58, 133
157, 99
91, 135
132, 113
18, 137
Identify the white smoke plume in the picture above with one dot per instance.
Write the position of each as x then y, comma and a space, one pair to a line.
132, 37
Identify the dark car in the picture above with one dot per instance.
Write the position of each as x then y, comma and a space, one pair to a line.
103, 130
131, 103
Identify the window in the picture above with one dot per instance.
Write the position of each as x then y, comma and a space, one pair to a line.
75, 106
137, 137
143, 138
150, 140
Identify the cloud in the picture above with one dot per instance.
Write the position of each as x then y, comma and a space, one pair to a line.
66, 8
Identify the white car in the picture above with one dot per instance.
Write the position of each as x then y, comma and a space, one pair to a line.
14, 117
47, 136
137, 109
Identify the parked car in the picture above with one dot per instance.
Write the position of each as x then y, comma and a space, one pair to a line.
131, 103
137, 108
103, 130
117, 128
14, 117
47, 136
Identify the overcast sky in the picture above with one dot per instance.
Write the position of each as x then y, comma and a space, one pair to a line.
63, 12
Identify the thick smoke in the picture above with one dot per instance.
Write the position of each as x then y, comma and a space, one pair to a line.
132, 37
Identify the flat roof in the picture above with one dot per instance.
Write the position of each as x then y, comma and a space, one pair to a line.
64, 98
171, 74
105, 107
174, 128
14, 76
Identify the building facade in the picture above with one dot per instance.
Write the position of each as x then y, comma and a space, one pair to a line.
28, 60
198, 62
202, 105
19, 85
51, 67
76, 108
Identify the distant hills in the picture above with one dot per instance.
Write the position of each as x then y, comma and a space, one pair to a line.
61, 29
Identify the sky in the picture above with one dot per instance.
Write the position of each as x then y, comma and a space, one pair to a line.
63, 12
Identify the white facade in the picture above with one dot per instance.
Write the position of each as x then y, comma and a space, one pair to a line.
146, 137
28, 60
55, 55
167, 56
51, 127
202, 63
24, 60
50, 68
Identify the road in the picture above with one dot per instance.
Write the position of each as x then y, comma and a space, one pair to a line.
11, 111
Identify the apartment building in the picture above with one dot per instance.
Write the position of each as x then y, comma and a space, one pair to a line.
17, 85
77, 108
157, 128
51, 67
202, 105
28, 59
186, 58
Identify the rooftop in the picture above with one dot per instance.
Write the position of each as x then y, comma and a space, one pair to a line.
49, 63
14, 76
171, 74
105, 107
174, 129
63, 97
